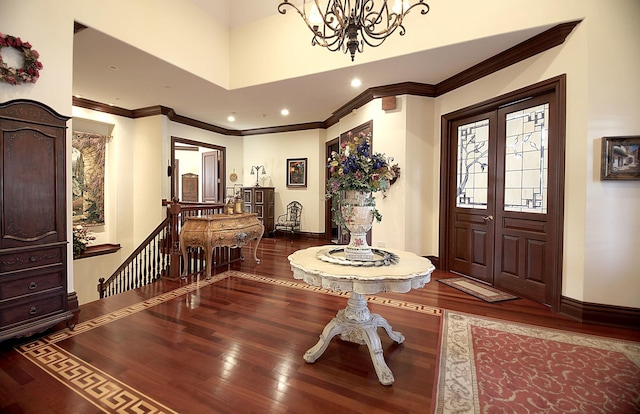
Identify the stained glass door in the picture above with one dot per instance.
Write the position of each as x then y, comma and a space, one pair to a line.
524, 227
500, 229
472, 228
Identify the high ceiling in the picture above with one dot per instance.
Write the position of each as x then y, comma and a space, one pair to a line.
311, 98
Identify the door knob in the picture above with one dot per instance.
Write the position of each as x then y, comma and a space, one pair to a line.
487, 218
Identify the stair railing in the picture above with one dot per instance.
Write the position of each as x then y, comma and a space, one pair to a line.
159, 255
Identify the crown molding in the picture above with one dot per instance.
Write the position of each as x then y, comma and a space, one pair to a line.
531, 47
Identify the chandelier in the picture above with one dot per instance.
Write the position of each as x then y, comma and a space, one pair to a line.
338, 25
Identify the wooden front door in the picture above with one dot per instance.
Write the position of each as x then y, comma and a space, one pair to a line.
504, 195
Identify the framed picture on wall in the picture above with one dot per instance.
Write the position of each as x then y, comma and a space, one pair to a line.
620, 158
296, 172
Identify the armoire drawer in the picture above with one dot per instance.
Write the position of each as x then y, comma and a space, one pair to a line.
18, 260
32, 282
32, 307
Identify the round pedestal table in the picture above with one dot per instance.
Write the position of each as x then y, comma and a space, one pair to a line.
355, 323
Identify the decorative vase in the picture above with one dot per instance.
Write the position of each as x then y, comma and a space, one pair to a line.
357, 208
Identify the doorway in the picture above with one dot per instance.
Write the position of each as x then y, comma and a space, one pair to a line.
207, 162
503, 191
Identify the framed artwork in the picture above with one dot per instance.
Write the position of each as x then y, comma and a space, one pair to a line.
296, 172
620, 158
87, 165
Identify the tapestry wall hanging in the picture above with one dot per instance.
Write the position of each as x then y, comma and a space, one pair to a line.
87, 164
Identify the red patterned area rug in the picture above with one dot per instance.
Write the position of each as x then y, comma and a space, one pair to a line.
477, 289
493, 366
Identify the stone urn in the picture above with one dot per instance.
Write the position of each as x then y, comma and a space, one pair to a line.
357, 208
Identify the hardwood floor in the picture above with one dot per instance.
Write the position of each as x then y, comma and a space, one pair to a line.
235, 345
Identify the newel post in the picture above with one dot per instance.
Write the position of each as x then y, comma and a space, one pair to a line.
173, 211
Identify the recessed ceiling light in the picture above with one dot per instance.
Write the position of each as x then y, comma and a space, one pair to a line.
284, 112
231, 118
356, 82
113, 67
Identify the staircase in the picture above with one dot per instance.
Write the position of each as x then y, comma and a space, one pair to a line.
159, 255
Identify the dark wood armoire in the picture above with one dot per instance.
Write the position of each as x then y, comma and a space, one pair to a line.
33, 220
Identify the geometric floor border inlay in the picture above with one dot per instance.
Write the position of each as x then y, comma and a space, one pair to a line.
111, 395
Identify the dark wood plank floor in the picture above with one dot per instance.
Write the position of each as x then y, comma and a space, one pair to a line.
236, 346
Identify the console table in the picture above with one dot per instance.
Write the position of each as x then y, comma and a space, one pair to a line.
220, 230
355, 323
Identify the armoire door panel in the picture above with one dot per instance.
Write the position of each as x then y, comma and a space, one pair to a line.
30, 194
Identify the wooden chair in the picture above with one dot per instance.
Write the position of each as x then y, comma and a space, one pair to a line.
289, 221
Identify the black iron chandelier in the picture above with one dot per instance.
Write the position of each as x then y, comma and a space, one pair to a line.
338, 25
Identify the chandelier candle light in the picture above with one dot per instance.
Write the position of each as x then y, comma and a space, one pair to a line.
338, 25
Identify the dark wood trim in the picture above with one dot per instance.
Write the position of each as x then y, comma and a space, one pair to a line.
435, 260
531, 47
610, 315
153, 110
185, 148
78, 27
99, 250
100, 107
537, 44
203, 125
327, 201
74, 307
283, 128
310, 236
403, 88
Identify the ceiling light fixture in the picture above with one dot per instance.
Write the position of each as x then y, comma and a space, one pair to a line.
284, 112
342, 20
355, 82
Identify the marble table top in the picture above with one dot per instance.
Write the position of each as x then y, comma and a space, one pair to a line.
410, 272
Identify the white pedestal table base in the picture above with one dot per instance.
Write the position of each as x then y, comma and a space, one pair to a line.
356, 324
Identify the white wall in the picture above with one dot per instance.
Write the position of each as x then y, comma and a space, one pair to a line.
411, 204
149, 174
272, 151
612, 220
173, 30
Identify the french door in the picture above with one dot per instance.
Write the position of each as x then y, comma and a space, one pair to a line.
504, 195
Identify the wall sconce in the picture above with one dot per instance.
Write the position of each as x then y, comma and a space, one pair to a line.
255, 169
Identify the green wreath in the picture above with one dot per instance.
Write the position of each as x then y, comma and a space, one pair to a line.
29, 72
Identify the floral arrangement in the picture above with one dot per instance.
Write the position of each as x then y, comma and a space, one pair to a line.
29, 72
81, 239
355, 168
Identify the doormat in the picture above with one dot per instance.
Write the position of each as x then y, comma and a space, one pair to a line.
477, 289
